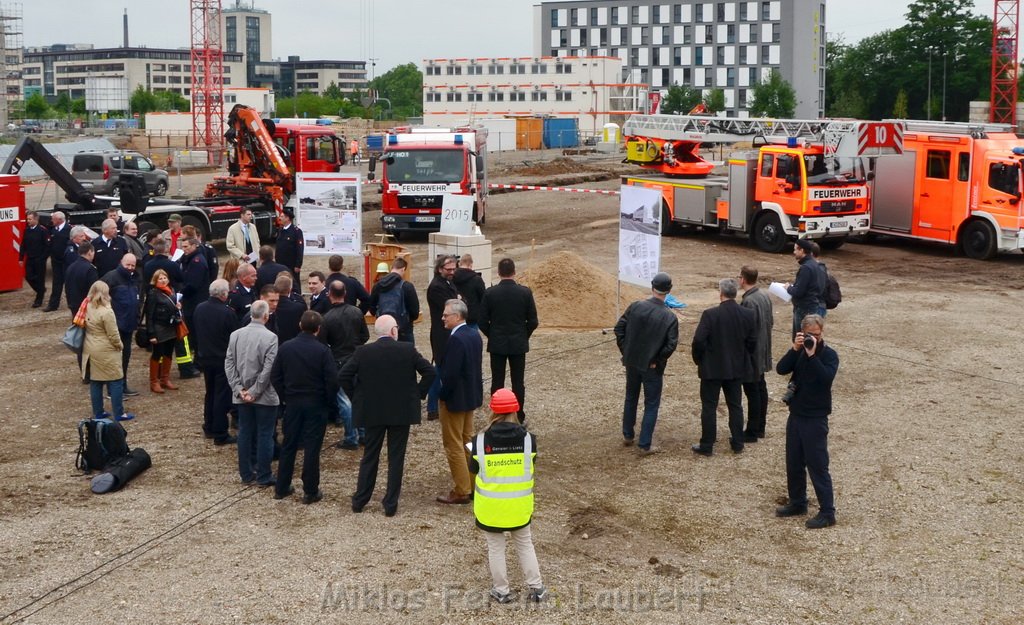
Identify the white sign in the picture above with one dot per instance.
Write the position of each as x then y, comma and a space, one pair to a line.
841, 193
330, 213
457, 214
639, 235
9, 214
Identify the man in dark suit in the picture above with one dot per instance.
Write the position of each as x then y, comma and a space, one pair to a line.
440, 290
289, 311
35, 247
344, 330
355, 293
243, 292
110, 248
290, 246
462, 392
268, 270
160, 260
195, 288
318, 297
79, 276
306, 379
213, 323
723, 349
60, 237
380, 377
508, 316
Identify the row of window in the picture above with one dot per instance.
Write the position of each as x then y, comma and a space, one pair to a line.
671, 14
497, 96
646, 35
496, 68
116, 67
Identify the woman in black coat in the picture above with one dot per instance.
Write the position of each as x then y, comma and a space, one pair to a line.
163, 315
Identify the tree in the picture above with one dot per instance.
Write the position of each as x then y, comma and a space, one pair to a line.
63, 104
36, 106
680, 100
773, 98
78, 106
142, 101
715, 100
333, 91
899, 109
172, 101
403, 87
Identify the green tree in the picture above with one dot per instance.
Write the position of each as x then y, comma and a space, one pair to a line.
848, 104
680, 100
172, 101
403, 87
142, 101
773, 98
899, 109
63, 104
78, 106
715, 100
333, 92
36, 106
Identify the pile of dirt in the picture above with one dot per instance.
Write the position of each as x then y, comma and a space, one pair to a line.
559, 165
572, 293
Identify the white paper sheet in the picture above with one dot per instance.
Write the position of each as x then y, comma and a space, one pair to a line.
778, 289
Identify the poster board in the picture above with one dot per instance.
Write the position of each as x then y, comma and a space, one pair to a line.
330, 213
639, 235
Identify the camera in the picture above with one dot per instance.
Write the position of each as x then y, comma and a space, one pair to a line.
809, 341
790, 392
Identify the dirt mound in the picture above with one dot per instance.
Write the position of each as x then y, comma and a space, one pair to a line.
559, 165
572, 293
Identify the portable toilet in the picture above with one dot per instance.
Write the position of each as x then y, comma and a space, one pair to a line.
561, 132
611, 133
12, 211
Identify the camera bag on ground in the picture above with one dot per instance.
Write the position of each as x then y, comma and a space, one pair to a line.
121, 471
100, 442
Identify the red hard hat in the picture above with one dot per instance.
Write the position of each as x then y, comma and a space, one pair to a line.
504, 401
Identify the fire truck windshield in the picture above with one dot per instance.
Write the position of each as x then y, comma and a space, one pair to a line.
833, 171
424, 166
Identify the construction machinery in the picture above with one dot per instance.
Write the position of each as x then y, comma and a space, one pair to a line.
802, 178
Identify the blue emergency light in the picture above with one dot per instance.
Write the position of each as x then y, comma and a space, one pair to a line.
392, 139
790, 142
458, 139
1018, 151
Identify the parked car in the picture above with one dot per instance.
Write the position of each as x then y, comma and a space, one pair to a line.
99, 171
31, 128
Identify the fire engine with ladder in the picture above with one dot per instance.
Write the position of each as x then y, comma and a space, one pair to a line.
803, 178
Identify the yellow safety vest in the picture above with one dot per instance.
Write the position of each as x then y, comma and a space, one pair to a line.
503, 496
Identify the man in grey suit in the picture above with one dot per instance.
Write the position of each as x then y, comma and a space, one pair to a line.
380, 377
722, 348
754, 386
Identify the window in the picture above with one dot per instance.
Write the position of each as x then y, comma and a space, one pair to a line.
433, 70
475, 70
743, 55
539, 96
776, 33
474, 96
433, 97
720, 55
709, 33
563, 96
677, 56
788, 169
730, 77
677, 13
517, 96
634, 14
766, 11
494, 68
538, 68
720, 12
698, 12
743, 11
765, 55
495, 96
563, 68
730, 33
698, 56
687, 34
517, 68
963, 166
454, 97
454, 70
1005, 178
938, 165
767, 161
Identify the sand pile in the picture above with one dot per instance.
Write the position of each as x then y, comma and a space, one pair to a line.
572, 293
560, 165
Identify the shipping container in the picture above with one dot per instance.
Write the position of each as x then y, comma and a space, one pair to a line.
561, 133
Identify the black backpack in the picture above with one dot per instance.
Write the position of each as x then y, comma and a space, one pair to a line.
100, 442
392, 302
833, 294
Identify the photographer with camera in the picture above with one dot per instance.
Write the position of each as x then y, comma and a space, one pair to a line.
813, 366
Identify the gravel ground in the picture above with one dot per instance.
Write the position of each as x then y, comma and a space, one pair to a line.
924, 459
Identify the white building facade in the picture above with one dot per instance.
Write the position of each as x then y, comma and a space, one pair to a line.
731, 46
587, 88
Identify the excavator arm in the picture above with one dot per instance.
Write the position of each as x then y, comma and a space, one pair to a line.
28, 149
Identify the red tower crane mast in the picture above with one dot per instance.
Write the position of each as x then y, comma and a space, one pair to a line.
1003, 101
207, 78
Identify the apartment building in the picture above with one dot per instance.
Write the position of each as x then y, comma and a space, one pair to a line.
297, 76
731, 46
246, 29
588, 88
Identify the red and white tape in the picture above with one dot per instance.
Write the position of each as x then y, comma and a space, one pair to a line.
528, 187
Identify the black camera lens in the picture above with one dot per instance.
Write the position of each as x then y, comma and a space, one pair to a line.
809, 342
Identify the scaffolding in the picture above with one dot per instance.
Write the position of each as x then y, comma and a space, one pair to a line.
11, 50
207, 77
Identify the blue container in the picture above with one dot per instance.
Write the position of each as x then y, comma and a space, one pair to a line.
561, 133
375, 143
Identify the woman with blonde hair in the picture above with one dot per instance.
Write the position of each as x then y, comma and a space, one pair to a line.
163, 314
230, 269
101, 354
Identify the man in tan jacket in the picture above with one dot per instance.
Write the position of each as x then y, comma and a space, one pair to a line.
243, 241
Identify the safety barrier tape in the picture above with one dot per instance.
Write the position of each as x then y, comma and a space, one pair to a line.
528, 187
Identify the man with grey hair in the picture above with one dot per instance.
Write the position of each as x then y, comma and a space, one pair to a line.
60, 239
212, 325
462, 388
723, 349
248, 363
110, 248
754, 386
130, 232
125, 288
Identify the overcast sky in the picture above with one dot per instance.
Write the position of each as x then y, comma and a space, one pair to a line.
393, 31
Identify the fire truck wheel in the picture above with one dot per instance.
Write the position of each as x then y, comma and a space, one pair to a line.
667, 225
768, 234
979, 240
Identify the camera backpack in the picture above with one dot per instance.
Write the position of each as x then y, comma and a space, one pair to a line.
833, 294
100, 442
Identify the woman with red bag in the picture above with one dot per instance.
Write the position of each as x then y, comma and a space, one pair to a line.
163, 316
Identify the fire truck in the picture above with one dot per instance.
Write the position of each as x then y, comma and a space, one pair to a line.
803, 178
262, 161
957, 183
422, 165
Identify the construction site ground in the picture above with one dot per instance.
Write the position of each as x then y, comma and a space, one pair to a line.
924, 439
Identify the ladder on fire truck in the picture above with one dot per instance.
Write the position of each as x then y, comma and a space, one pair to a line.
670, 143
976, 130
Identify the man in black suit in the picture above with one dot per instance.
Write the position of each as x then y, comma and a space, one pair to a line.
243, 292
213, 323
290, 246
508, 316
60, 237
110, 248
344, 330
440, 290
79, 276
160, 260
289, 311
462, 392
318, 298
723, 349
269, 270
381, 379
35, 247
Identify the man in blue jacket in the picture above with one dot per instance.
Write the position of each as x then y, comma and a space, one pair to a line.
125, 284
462, 392
813, 366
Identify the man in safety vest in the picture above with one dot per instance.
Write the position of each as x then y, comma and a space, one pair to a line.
503, 459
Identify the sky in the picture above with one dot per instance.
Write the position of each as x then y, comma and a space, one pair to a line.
393, 31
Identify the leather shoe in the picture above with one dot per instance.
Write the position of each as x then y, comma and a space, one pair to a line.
790, 510
280, 495
50, 309
357, 508
308, 499
737, 449
697, 449
432, 415
820, 521
750, 438
453, 499
227, 440
347, 446
390, 512
627, 442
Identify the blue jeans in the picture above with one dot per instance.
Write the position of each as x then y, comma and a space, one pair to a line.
256, 431
651, 380
116, 388
352, 434
433, 395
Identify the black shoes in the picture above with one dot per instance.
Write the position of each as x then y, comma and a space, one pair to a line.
280, 495
627, 442
347, 446
357, 508
790, 510
50, 309
390, 512
750, 438
737, 449
227, 440
308, 499
432, 415
703, 451
130, 392
820, 521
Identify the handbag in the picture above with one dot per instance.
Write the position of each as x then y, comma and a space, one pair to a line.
73, 338
142, 337
182, 329
79, 319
